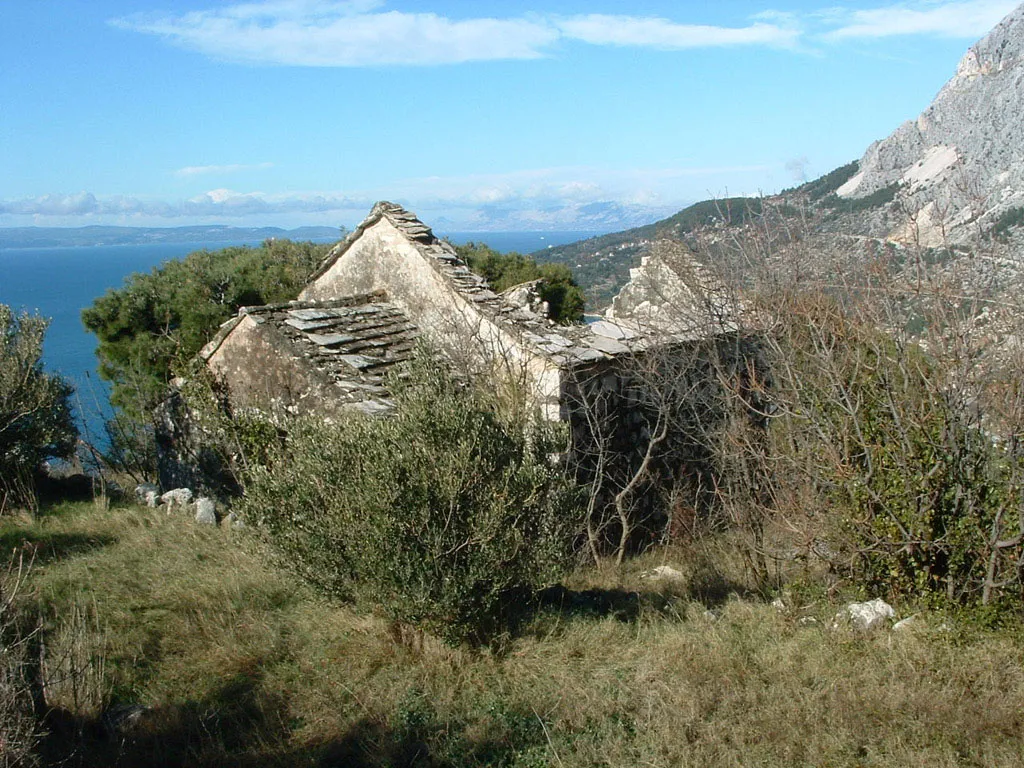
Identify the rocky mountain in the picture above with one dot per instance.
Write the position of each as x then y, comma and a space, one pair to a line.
944, 186
602, 264
960, 166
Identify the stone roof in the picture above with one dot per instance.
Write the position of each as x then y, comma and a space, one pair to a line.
354, 341
566, 346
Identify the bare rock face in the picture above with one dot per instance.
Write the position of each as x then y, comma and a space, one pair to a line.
961, 163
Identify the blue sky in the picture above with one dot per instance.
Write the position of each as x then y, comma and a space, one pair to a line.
475, 114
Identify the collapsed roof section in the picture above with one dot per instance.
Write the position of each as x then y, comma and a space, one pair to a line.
673, 295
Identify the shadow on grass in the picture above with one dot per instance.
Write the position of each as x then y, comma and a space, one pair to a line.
711, 589
504, 737
52, 490
243, 725
46, 547
597, 603
238, 724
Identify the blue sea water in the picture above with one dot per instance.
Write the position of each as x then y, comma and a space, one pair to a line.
59, 283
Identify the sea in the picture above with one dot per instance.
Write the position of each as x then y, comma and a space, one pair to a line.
59, 283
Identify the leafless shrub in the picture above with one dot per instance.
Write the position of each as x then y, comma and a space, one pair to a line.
892, 449
21, 701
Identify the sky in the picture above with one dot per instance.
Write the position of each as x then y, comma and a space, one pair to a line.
476, 115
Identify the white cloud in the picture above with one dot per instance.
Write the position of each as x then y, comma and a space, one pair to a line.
322, 33
538, 190
356, 33
331, 34
220, 203
958, 19
600, 29
209, 170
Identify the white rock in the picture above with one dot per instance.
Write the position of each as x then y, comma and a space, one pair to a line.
206, 511
143, 491
663, 573
152, 497
807, 621
179, 497
779, 604
864, 616
234, 520
905, 624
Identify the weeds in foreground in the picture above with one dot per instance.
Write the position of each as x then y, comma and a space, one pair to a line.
228, 661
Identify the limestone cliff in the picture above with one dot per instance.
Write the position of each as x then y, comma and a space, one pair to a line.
961, 163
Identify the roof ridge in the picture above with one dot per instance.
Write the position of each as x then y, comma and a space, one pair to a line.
340, 301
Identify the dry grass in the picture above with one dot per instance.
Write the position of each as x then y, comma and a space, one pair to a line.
241, 665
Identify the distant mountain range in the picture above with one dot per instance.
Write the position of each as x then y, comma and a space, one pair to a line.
56, 237
599, 216
948, 186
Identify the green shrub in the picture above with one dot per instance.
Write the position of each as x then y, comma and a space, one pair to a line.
442, 515
36, 422
920, 492
830, 182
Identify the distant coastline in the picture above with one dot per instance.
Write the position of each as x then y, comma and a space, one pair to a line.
103, 236
92, 236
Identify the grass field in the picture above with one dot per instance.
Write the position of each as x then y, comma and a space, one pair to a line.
239, 664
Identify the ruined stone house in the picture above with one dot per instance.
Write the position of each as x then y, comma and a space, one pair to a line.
391, 283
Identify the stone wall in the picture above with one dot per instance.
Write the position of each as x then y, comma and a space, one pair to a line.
264, 374
674, 404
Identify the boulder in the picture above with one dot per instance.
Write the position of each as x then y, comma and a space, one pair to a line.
206, 511
146, 491
663, 573
908, 623
865, 617
179, 497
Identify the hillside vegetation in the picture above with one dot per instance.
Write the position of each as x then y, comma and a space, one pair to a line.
355, 621
556, 284
601, 264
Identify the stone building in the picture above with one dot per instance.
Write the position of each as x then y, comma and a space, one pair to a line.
618, 381
389, 282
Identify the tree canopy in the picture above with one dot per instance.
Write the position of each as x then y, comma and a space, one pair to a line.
505, 270
166, 315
